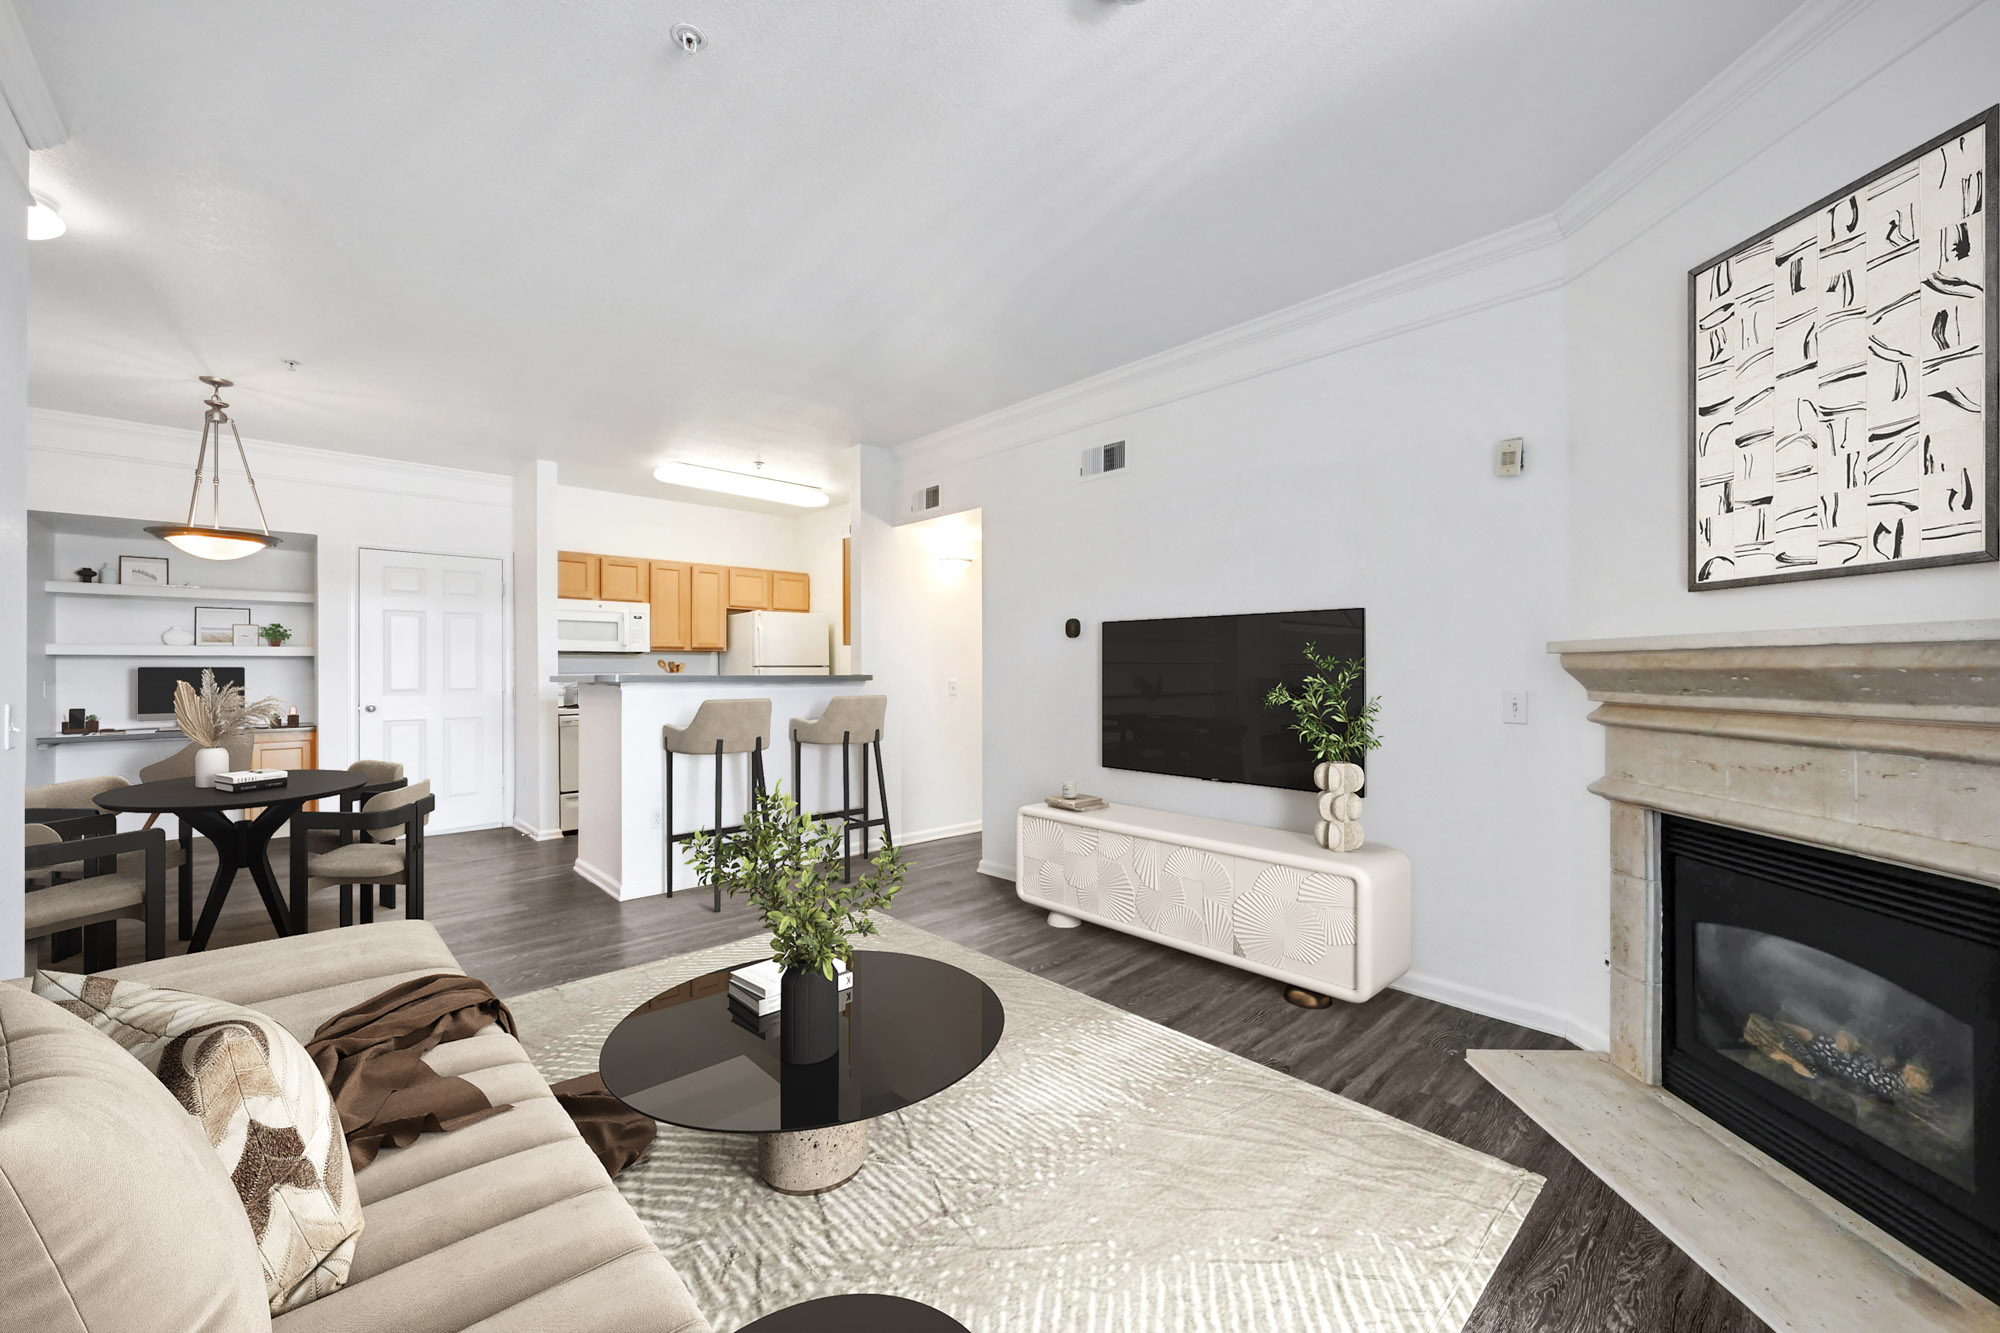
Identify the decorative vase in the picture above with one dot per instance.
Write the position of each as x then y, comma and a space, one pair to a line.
209, 762
177, 637
810, 1030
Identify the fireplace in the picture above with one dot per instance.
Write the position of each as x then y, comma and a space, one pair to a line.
1843, 1015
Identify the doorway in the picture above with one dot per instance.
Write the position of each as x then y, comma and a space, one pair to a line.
430, 684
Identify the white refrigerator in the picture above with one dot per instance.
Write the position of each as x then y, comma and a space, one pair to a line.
777, 643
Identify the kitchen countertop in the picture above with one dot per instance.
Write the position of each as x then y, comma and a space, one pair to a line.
689, 678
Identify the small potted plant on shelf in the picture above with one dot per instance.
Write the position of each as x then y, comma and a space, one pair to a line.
788, 865
274, 634
211, 715
1338, 728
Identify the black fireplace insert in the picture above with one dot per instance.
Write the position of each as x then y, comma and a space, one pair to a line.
1843, 1015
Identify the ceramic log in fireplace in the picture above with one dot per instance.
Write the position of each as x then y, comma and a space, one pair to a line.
1840, 1014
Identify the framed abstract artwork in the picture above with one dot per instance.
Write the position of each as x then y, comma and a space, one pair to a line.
1842, 374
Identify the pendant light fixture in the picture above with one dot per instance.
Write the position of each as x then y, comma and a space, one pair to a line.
213, 541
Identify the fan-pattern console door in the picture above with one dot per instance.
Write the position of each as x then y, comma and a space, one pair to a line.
430, 684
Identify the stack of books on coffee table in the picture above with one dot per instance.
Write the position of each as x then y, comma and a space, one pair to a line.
1080, 801
758, 988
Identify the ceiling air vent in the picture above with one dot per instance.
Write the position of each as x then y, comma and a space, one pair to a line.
926, 498
1101, 459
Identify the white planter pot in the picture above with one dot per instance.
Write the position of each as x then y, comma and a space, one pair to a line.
209, 762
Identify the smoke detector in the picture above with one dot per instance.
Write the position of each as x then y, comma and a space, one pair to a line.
691, 38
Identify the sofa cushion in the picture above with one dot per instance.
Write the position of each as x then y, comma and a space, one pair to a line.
264, 1108
115, 1215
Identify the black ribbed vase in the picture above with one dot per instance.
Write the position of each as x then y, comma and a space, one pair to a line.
810, 1030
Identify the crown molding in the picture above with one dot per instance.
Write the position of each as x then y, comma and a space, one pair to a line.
1327, 324
22, 85
78, 435
1791, 41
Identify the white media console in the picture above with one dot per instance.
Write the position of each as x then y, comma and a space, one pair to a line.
1266, 900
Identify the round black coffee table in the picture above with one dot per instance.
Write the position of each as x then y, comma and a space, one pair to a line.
857, 1314
240, 844
910, 1027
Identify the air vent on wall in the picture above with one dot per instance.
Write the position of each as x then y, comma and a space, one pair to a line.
925, 498
1100, 459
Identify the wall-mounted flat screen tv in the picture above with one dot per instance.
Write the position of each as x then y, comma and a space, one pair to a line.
156, 686
1186, 697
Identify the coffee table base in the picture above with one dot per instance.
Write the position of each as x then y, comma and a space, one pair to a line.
812, 1161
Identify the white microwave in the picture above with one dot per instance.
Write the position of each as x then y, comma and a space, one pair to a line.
603, 627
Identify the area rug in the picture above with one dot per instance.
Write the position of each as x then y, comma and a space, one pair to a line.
1099, 1173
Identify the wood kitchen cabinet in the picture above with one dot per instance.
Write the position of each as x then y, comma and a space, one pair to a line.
622, 578
790, 592
672, 597
749, 589
577, 575
288, 748
708, 603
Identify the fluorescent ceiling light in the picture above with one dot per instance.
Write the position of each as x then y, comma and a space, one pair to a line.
44, 223
745, 484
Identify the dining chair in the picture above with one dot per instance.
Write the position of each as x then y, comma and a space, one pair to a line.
180, 859
383, 775
366, 853
95, 903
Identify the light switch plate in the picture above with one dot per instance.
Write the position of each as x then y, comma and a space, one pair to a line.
1512, 458
1514, 707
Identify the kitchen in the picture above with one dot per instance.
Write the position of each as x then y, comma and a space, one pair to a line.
654, 592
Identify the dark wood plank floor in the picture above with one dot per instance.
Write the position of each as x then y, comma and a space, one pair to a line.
516, 914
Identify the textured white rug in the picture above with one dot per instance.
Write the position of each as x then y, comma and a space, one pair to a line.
1099, 1173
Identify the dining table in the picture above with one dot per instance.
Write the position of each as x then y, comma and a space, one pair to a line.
240, 844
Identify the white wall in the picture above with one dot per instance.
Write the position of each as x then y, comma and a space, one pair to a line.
13, 528
535, 696
819, 533
1339, 455
93, 465
609, 523
924, 632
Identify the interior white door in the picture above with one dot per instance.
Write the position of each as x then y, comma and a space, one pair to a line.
431, 684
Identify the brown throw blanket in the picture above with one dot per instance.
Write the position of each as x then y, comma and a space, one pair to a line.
371, 1057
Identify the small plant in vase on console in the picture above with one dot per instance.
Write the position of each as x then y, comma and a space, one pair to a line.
788, 865
1338, 727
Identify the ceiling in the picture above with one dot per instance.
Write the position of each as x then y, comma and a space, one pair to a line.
495, 230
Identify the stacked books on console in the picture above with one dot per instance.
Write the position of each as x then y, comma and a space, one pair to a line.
250, 779
1080, 801
758, 988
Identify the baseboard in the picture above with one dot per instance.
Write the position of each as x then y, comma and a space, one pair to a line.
1590, 1038
1486, 1002
998, 870
937, 834
603, 881
539, 835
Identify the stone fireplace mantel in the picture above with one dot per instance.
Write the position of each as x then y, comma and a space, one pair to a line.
1878, 741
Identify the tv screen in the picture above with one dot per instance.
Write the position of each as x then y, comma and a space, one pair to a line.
156, 686
1186, 697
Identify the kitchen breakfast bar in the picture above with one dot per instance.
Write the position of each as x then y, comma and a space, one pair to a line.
622, 767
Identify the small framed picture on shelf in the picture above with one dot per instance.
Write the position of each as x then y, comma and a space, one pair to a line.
243, 636
143, 571
217, 624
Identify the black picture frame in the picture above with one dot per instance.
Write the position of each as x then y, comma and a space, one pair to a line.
1988, 119
146, 562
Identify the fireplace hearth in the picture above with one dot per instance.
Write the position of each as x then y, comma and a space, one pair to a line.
1840, 1014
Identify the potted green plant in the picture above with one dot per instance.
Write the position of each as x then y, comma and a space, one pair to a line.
1328, 714
274, 634
787, 864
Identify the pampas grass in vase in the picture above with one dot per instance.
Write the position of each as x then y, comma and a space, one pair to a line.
212, 714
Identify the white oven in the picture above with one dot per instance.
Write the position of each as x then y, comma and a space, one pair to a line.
603, 627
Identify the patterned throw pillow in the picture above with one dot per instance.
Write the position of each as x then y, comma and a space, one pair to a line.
266, 1111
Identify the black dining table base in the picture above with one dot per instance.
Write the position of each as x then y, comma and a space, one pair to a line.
241, 844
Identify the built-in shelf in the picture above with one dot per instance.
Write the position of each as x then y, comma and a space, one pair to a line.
166, 650
71, 588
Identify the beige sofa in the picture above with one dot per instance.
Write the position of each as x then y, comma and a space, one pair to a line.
110, 1219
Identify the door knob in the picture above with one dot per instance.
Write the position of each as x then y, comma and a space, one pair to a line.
368, 708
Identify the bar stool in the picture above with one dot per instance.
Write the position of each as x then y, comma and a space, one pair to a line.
719, 727
848, 717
